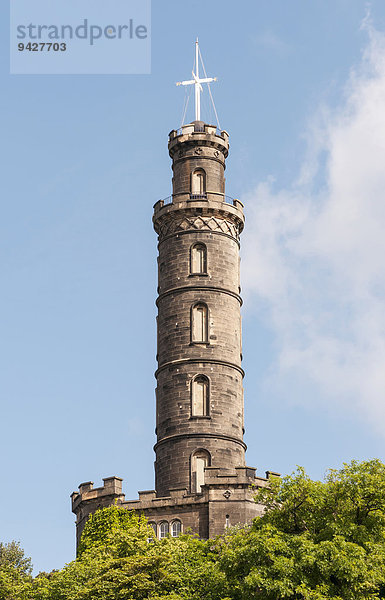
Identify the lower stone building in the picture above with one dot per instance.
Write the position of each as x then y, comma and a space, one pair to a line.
226, 498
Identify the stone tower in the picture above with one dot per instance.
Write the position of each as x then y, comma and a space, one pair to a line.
199, 414
201, 481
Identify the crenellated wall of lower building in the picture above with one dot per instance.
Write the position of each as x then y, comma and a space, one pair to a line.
226, 499
89, 499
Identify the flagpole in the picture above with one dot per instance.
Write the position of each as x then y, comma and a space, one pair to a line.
197, 84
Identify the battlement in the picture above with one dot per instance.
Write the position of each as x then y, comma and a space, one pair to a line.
213, 476
112, 488
197, 134
226, 491
197, 128
237, 476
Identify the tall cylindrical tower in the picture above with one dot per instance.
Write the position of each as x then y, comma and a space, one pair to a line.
201, 480
199, 413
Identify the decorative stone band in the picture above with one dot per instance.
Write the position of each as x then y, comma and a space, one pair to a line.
200, 288
218, 436
183, 223
210, 361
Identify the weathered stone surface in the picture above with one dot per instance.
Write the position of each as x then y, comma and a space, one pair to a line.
211, 221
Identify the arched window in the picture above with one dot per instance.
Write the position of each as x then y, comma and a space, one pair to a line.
200, 400
153, 526
199, 461
199, 322
198, 183
176, 528
163, 530
198, 259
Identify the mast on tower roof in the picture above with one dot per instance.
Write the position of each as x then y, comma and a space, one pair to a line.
197, 82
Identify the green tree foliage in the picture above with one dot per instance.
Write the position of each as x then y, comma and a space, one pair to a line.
12, 556
15, 570
316, 541
119, 558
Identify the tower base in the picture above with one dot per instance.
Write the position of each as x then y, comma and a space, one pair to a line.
226, 499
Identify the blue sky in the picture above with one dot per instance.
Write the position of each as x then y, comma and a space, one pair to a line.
301, 91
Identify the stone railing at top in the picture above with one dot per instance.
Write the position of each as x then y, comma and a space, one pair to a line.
222, 197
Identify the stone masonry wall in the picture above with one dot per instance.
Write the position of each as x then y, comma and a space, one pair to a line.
187, 220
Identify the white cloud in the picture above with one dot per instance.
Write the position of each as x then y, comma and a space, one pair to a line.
271, 41
315, 255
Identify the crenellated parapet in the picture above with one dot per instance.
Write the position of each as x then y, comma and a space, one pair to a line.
226, 498
198, 140
89, 499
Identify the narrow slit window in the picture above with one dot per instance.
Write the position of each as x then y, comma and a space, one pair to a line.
200, 397
199, 321
199, 461
198, 259
198, 183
